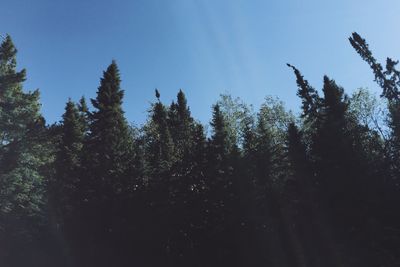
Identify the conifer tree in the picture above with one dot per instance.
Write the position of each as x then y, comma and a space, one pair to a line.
160, 158
296, 149
181, 126
337, 161
309, 96
68, 163
84, 114
185, 126
21, 148
263, 153
25, 156
300, 176
108, 183
219, 148
109, 143
221, 194
160, 147
389, 80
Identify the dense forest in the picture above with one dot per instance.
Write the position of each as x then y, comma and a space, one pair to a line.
253, 188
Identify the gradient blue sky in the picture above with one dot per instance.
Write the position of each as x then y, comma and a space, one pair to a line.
205, 47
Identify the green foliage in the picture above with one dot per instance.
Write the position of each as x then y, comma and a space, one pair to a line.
389, 81
235, 111
68, 164
23, 153
265, 188
159, 143
309, 96
109, 145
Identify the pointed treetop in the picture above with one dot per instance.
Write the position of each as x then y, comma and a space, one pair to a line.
83, 105
183, 109
389, 79
181, 97
332, 92
218, 122
70, 108
157, 94
8, 64
109, 93
307, 93
7, 49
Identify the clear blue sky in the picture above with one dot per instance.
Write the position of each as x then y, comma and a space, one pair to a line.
205, 47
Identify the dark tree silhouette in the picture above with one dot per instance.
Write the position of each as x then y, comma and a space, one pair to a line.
259, 189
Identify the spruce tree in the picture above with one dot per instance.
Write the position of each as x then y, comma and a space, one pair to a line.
219, 148
263, 153
160, 147
107, 185
300, 179
338, 162
309, 96
109, 143
160, 158
25, 156
389, 80
84, 114
20, 150
181, 126
221, 194
185, 176
300, 174
68, 165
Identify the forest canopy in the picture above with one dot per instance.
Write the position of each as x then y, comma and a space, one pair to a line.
260, 188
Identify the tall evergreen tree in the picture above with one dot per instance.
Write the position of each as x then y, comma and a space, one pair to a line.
24, 154
84, 114
389, 80
297, 153
160, 158
68, 165
108, 183
309, 96
263, 153
20, 120
221, 194
109, 142
160, 146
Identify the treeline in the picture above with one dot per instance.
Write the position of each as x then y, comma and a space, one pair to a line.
259, 188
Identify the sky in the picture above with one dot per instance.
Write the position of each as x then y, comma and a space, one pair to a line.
204, 47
